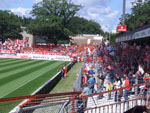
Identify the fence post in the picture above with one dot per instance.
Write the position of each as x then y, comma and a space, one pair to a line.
148, 96
73, 103
96, 71
136, 82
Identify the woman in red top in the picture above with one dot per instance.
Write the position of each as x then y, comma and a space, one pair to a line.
65, 71
127, 89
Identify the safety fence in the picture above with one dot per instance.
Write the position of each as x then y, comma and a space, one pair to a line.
49, 85
119, 107
78, 84
45, 103
73, 102
54, 103
114, 101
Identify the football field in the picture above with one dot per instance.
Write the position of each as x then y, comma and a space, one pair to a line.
19, 77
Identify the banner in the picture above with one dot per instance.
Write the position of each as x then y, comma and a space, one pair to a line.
10, 56
7, 51
121, 28
44, 57
43, 53
142, 33
38, 57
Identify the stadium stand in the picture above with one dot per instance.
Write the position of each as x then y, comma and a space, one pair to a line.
125, 67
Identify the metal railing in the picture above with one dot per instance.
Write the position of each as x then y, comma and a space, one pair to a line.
72, 102
118, 107
117, 103
78, 83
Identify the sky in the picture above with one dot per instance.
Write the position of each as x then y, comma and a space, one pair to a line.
104, 12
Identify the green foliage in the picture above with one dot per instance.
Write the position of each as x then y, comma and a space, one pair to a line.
10, 26
63, 42
51, 18
139, 15
25, 21
112, 38
56, 20
80, 25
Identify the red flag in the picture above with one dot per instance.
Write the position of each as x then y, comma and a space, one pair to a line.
17, 41
109, 67
10, 41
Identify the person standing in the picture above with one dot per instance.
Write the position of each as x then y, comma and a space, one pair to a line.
62, 72
85, 91
127, 84
117, 85
110, 86
91, 83
99, 86
65, 71
127, 89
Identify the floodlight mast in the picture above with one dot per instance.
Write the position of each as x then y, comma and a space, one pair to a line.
124, 9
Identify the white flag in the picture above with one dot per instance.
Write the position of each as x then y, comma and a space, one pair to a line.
141, 69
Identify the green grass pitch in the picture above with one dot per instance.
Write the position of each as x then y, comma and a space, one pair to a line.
19, 77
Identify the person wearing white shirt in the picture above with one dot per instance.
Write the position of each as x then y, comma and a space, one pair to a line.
117, 85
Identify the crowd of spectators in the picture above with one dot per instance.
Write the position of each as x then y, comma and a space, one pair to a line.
21, 46
119, 65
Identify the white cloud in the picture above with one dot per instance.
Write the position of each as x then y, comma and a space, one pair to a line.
22, 11
105, 10
100, 19
99, 11
36, 1
106, 28
114, 29
93, 12
112, 14
93, 15
8, 3
129, 4
91, 2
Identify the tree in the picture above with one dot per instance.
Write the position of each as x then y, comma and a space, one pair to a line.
10, 26
112, 37
51, 18
80, 25
25, 21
